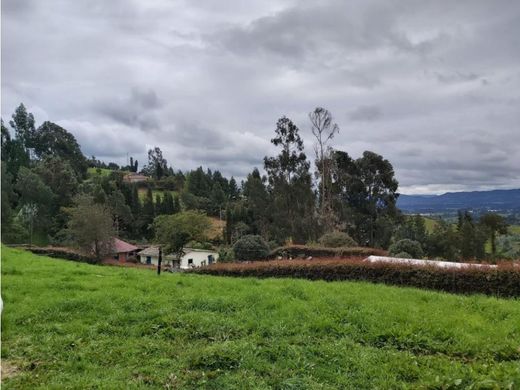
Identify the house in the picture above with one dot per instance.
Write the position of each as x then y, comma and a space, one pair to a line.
192, 257
133, 177
150, 256
122, 250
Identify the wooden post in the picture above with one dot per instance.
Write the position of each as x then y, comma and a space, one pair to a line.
159, 262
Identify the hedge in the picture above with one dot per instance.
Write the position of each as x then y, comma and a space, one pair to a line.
304, 251
59, 253
503, 281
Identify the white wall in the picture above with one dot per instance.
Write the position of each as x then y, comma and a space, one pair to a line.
199, 258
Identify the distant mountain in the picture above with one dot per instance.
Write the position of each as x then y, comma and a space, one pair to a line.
496, 200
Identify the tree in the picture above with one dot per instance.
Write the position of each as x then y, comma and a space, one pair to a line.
33, 190
120, 211
365, 195
290, 184
157, 165
411, 247
53, 140
494, 224
472, 237
22, 123
147, 214
173, 232
14, 153
91, 227
8, 198
323, 129
251, 247
234, 191
60, 177
257, 203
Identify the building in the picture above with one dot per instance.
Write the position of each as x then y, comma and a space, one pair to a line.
123, 250
192, 257
133, 177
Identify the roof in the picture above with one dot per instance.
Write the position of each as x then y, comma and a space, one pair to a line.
154, 251
120, 246
187, 250
442, 264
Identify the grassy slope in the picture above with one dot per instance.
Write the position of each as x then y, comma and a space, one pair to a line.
142, 193
103, 172
75, 325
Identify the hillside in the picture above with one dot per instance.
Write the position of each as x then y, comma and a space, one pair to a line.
496, 200
72, 325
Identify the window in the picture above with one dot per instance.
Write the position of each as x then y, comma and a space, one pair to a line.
190, 262
148, 260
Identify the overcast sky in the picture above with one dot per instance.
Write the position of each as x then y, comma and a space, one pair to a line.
434, 86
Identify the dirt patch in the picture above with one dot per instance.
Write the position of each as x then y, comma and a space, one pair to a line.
9, 369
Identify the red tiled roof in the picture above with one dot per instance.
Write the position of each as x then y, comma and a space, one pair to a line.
121, 246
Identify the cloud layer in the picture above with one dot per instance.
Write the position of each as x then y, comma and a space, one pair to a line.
433, 86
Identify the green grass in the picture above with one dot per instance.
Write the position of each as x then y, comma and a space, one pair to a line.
514, 229
430, 224
142, 193
102, 172
72, 325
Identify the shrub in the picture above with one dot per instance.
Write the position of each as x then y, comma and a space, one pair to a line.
336, 240
295, 251
411, 247
403, 255
503, 280
251, 247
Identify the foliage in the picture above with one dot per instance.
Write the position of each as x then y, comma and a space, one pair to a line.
494, 224
91, 227
173, 232
290, 185
251, 247
337, 239
365, 193
408, 246
306, 251
61, 317
53, 140
403, 255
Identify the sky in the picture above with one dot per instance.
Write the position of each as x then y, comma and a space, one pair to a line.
433, 86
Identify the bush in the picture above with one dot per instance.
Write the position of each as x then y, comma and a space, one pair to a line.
251, 247
503, 280
336, 240
411, 247
295, 251
403, 255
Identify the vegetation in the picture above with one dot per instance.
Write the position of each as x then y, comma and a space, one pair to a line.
44, 170
72, 325
91, 227
173, 232
336, 240
251, 247
407, 246
501, 281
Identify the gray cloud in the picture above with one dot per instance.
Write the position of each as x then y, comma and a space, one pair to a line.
366, 113
433, 85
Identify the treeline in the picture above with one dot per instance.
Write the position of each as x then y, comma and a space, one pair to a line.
48, 196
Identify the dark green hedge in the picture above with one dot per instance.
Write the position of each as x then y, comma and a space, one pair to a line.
503, 281
59, 253
304, 251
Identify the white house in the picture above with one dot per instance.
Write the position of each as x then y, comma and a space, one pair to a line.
192, 257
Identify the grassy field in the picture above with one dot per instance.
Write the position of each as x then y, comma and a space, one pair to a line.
102, 172
72, 325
